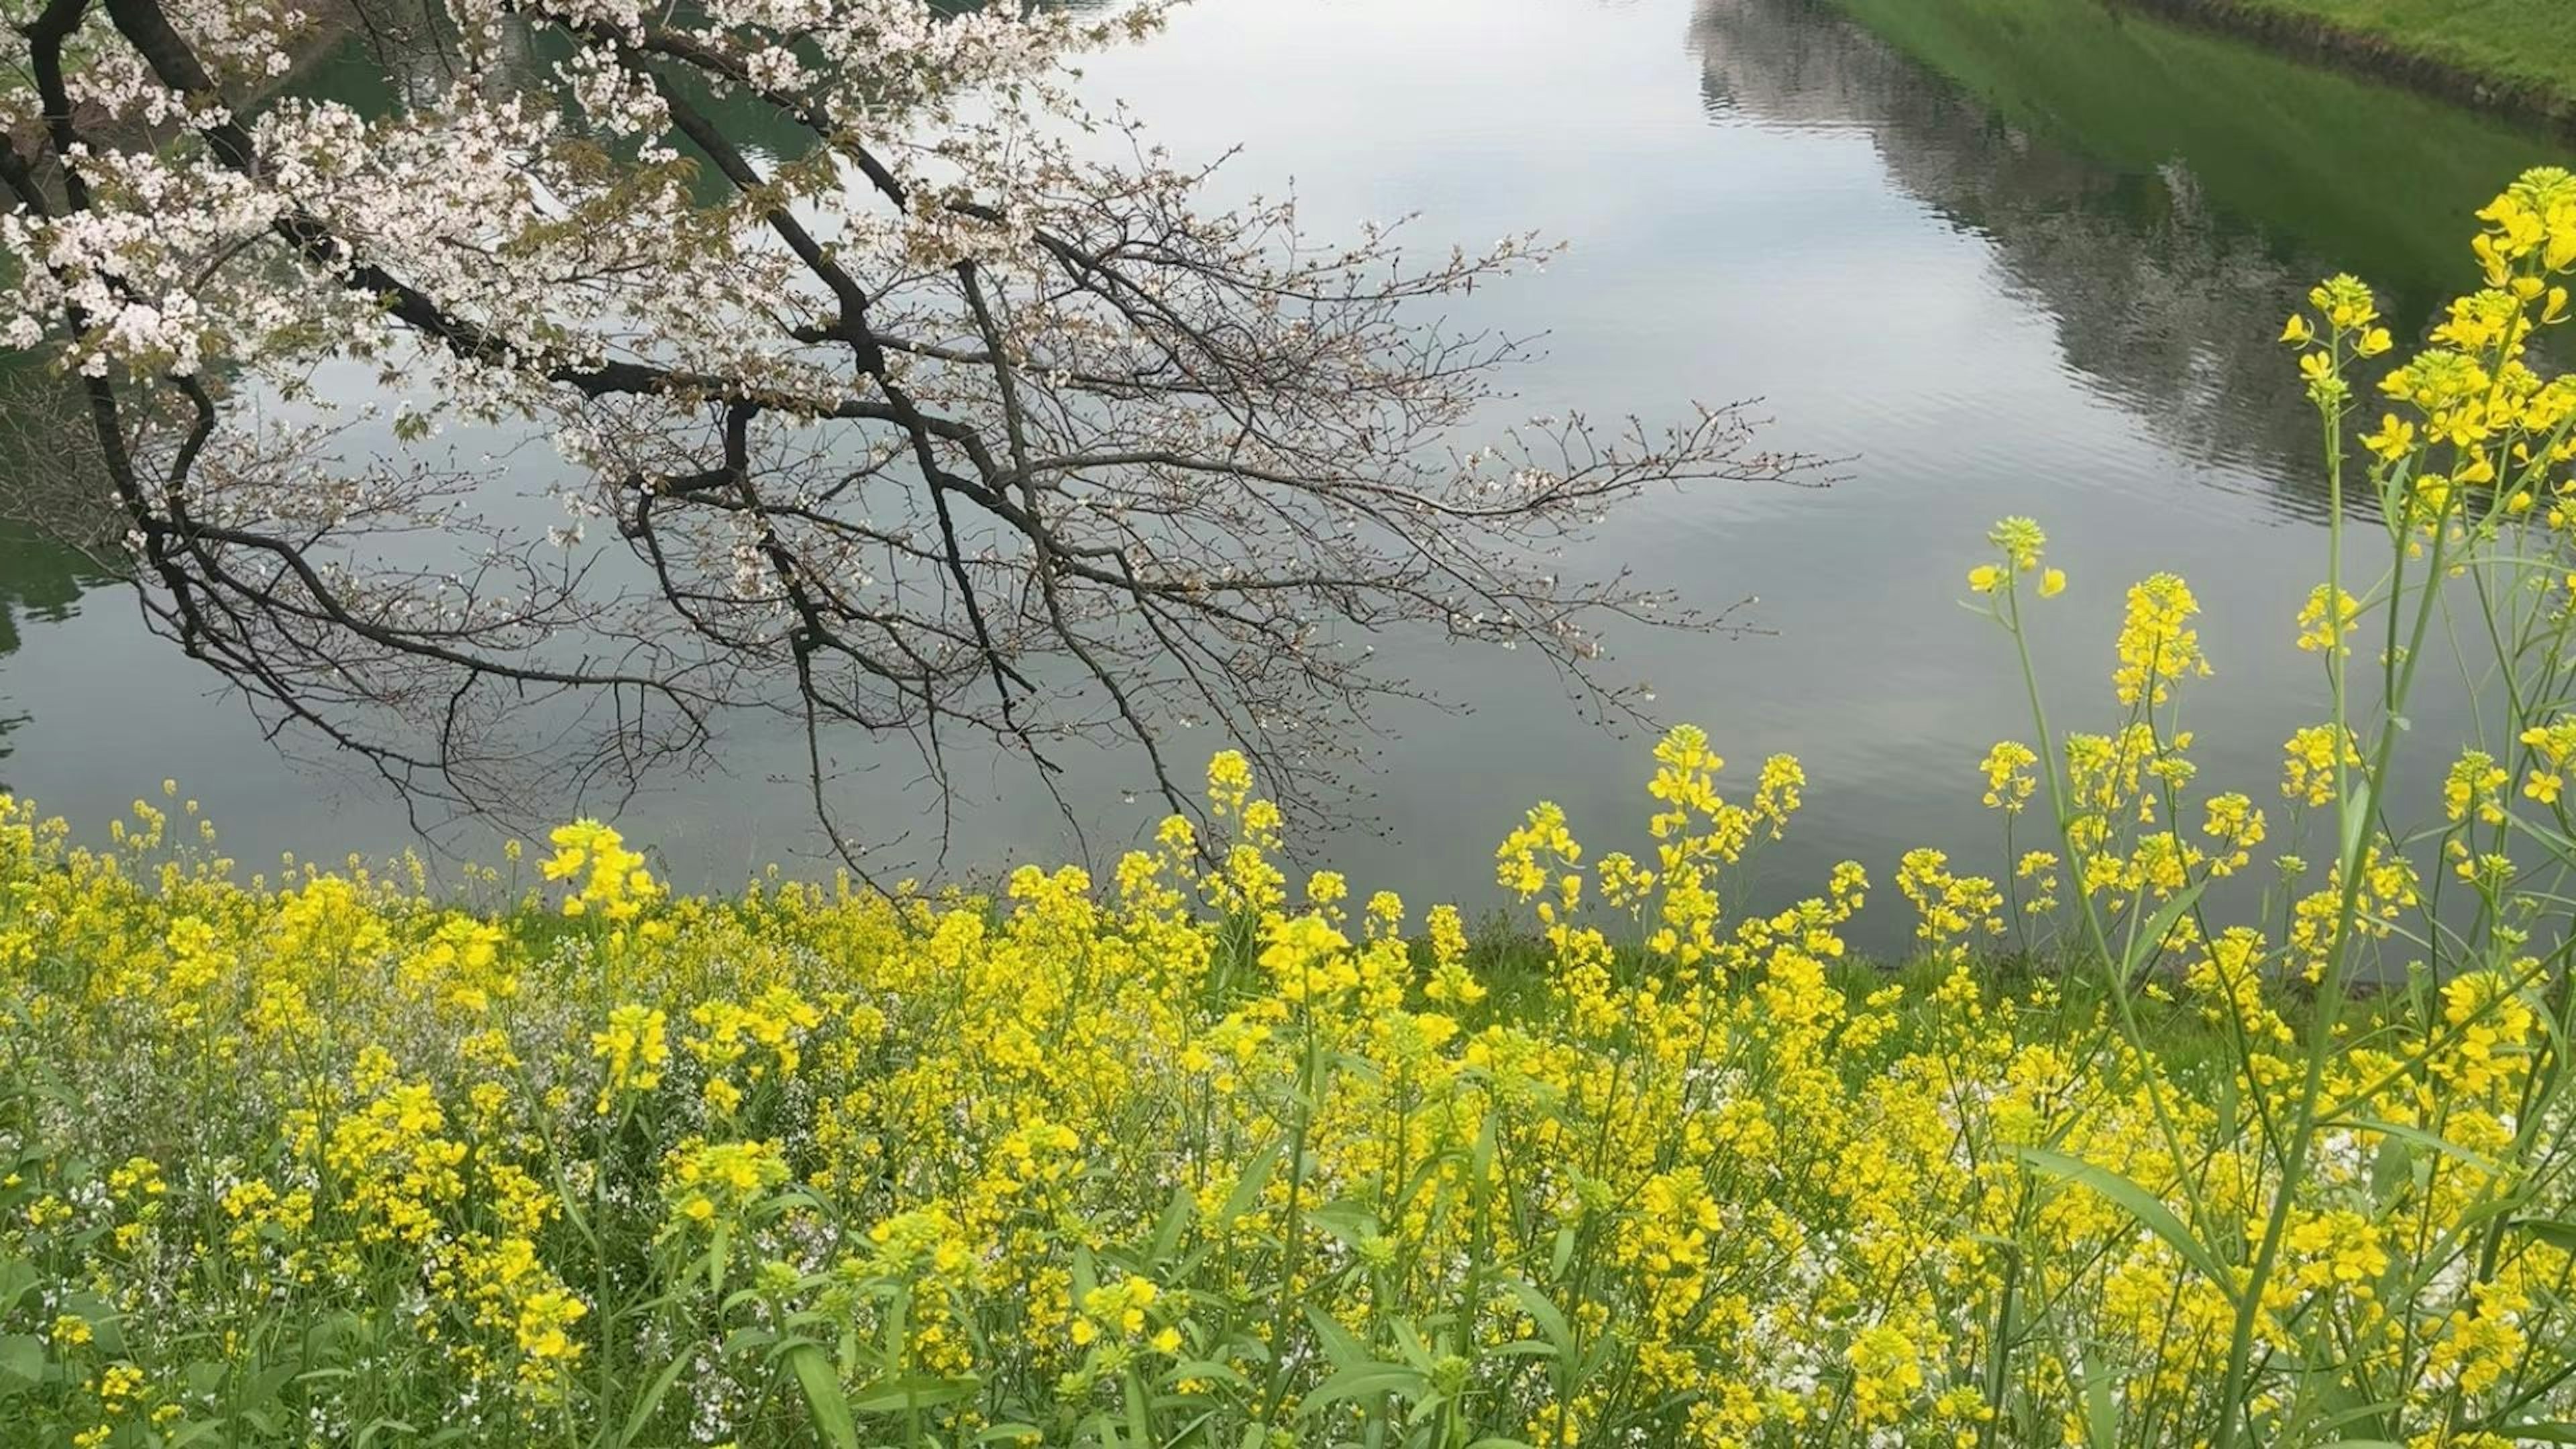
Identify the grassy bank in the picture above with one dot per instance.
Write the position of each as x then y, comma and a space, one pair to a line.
2305, 153
2517, 56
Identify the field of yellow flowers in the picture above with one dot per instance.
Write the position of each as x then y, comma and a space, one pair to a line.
1202, 1155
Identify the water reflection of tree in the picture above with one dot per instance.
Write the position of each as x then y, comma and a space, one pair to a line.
2158, 300
42, 581
47, 494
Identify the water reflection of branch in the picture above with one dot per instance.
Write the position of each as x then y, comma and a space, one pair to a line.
903, 424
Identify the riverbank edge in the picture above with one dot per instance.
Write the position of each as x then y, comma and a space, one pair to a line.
2382, 57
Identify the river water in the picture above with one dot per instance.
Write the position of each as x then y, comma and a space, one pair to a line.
2000, 256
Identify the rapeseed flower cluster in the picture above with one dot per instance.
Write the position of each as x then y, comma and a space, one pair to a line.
1732, 1200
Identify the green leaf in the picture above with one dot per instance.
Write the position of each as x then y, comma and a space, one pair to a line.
269, 1383
1345, 1219
2345, 1406
2148, 1209
2555, 1233
2355, 818
1175, 1221
824, 1402
2549, 1431
1086, 1276
637, 1421
1544, 1313
2430, 1140
1341, 1349
906, 1392
1140, 1422
1205, 1368
1408, 1341
1362, 1381
1254, 1182
107, 1330
2391, 1170
2101, 1411
18, 1278
22, 1362
2151, 937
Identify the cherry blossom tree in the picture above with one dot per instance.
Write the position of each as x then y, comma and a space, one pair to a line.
925, 421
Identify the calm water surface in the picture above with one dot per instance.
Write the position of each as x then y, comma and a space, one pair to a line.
2004, 256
